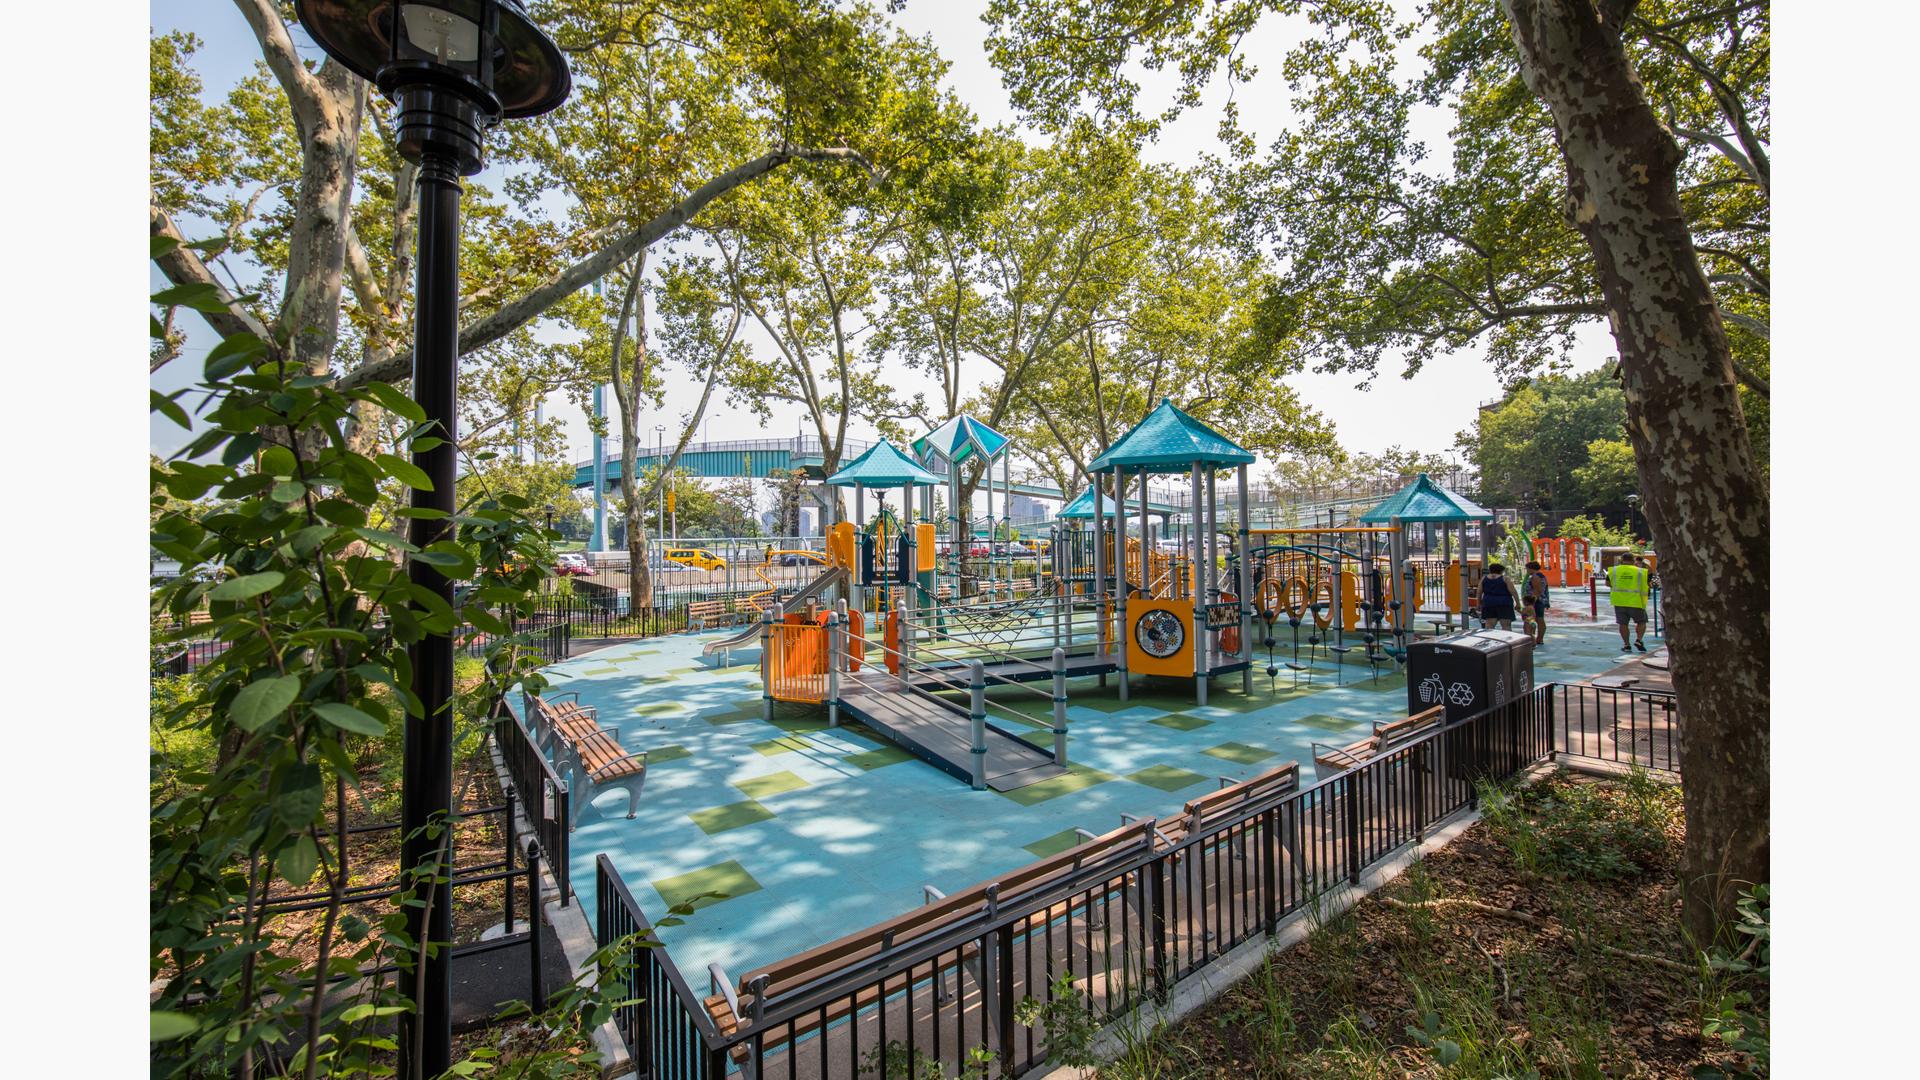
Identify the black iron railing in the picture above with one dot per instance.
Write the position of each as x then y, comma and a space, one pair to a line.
1123, 926
543, 794
1621, 726
664, 1024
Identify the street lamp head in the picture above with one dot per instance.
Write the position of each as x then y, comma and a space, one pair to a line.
454, 67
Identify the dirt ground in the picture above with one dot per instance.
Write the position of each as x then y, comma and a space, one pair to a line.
1553, 949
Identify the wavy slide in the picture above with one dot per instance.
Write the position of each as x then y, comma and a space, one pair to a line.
833, 576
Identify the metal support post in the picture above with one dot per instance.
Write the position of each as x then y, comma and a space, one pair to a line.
1060, 707
977, 715
766, 665
1245, 589
836, 628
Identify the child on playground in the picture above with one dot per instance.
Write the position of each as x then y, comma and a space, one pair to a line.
1533, 616
1496, 598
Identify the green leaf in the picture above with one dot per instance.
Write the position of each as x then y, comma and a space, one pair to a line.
391, 399
163, 1025
235, 352
239, 448
347, 718
246, 586
169, 408
298, 859
262, 700
198, 295
287, 491
405, 471
156, 247
340, 512
443, 559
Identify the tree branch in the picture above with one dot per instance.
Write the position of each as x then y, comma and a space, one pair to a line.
182, 266
394, 366
276, 45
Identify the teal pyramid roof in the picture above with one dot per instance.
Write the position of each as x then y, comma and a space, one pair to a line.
958, 440
883, 465
1424, 500
1082, 506
1169, 440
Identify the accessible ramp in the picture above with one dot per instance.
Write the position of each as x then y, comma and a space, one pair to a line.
941, 734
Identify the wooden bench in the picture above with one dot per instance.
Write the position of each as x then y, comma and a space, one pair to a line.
728, 1010
1387, 736
1203, 813
704, 613
599, 761
556, 721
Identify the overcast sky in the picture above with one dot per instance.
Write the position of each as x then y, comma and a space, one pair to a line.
1419, 413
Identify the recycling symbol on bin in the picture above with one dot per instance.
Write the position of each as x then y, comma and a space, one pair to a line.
1431, 689
1499, 688
1460, 694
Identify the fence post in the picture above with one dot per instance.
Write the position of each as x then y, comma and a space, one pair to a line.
1272, 847
767, 662
1157, 902
508, 880
977, 714
1060, 708
1353, 827
906, 641
836, 622
537, 989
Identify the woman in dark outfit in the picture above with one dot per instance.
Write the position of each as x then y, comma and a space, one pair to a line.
1496, 598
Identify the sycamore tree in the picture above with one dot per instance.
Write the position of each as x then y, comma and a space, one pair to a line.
1610, 158
307, 215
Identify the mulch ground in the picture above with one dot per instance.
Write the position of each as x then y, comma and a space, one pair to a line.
1551, 989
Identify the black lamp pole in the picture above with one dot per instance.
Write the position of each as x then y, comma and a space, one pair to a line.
452, 68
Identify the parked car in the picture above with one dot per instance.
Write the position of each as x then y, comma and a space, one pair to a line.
695, 558
571, 564
1019, 550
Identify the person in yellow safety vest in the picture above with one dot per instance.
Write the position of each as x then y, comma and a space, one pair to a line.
1627, 582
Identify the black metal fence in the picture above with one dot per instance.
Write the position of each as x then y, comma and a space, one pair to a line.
1617, 726
543, 793
1121, 927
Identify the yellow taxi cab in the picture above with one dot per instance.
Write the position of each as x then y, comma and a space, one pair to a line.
697, 558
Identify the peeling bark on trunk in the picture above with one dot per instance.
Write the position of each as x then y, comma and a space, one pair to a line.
626, 398
1708, 509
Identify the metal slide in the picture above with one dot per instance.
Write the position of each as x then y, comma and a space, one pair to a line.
797, 602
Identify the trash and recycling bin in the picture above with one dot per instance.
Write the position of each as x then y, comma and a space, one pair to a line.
1469, 672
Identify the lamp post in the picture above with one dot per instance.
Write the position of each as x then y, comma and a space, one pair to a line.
1633, 503
659, 468
452, 68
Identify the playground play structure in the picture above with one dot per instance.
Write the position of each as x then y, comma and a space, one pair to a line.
906, 635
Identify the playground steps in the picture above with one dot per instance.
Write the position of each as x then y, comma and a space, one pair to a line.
941, 736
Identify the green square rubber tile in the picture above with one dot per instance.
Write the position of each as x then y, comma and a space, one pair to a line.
1329, 723
785, 744
718, 819
759, 787
878, 759
1239, 753
800, 725
1181, 722
1165, 777
1076, 778
737, 715
607, 670
660, 755
713, 884
644, 652
657, 708
1053, 845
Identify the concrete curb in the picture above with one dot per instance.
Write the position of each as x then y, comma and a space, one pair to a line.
1203, 986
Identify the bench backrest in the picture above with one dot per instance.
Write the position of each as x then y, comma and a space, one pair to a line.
825, 959
1411, 727
1215, 805
707, 607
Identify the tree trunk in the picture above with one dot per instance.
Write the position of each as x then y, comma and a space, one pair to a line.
626, 397
1707, 506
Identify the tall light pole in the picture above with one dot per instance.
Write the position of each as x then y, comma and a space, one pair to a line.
452, 68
